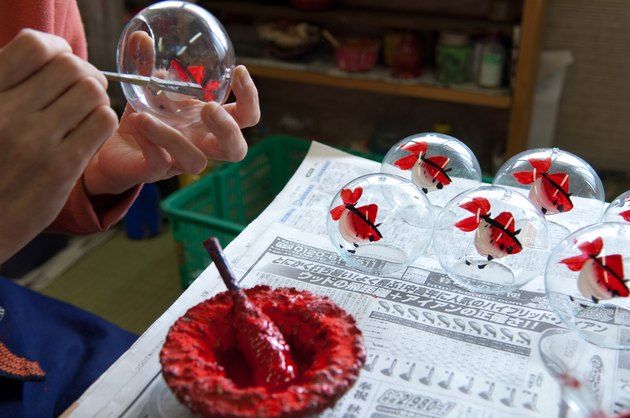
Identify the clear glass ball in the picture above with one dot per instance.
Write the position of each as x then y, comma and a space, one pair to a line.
562, 185
571, 361
619, 209
176, 41
491, 239
440, 165
380, 223
586, 285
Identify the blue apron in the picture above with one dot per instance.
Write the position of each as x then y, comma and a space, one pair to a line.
72, 346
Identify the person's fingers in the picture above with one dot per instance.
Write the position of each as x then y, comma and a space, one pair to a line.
82, 142
246, 110
26, 53
156, 159
186, 157
52, 80
65, 113
227, 142
141, 51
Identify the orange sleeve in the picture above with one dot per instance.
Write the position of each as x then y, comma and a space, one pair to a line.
85, 215
81, 214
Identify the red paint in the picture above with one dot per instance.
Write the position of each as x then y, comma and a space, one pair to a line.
204, 364
554, 187
262, 345
195, 74
569, 381
625, 215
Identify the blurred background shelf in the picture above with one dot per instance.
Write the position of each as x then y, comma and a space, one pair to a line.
377, 80
355, 17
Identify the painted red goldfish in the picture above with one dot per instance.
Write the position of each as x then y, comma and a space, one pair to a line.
601, 276
495, 237
356, 224
195, 74
430, 173
549, 191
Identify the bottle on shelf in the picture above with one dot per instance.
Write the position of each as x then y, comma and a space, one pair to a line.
491, 63
452, 57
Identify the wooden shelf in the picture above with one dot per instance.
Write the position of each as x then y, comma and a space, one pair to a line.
360, 17
377, 81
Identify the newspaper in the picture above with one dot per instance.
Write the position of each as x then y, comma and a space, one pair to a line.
434, 349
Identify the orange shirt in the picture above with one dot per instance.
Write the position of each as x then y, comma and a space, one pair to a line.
81, 214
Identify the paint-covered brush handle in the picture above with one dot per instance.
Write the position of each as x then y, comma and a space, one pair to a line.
215, 251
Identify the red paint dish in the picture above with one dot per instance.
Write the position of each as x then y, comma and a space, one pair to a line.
205, 369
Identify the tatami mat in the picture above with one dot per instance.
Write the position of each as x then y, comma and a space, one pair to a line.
130, 283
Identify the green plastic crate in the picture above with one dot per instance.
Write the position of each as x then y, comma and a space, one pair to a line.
224, 201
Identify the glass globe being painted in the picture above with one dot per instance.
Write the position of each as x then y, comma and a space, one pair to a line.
440, 165
179, 42
379, 223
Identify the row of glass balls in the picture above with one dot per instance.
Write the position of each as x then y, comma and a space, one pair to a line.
489, 238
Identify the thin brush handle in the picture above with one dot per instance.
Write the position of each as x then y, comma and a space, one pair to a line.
225, 271
181, 87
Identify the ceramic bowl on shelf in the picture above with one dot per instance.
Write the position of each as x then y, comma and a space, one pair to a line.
357, 54
288, 40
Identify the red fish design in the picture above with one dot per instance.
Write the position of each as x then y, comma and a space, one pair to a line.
195, 74
356, 224
549, 191
601, 276
430, 173
495, 237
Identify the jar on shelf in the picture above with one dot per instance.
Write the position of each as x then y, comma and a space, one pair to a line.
406, 60
490, 74
452, 57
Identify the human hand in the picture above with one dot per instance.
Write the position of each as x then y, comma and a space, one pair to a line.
146, 149
54, 115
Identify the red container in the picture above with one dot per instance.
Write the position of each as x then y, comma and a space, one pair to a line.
406, 57
357, 54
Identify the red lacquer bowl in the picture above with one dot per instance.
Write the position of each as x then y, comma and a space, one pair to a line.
207, 373
357, 54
